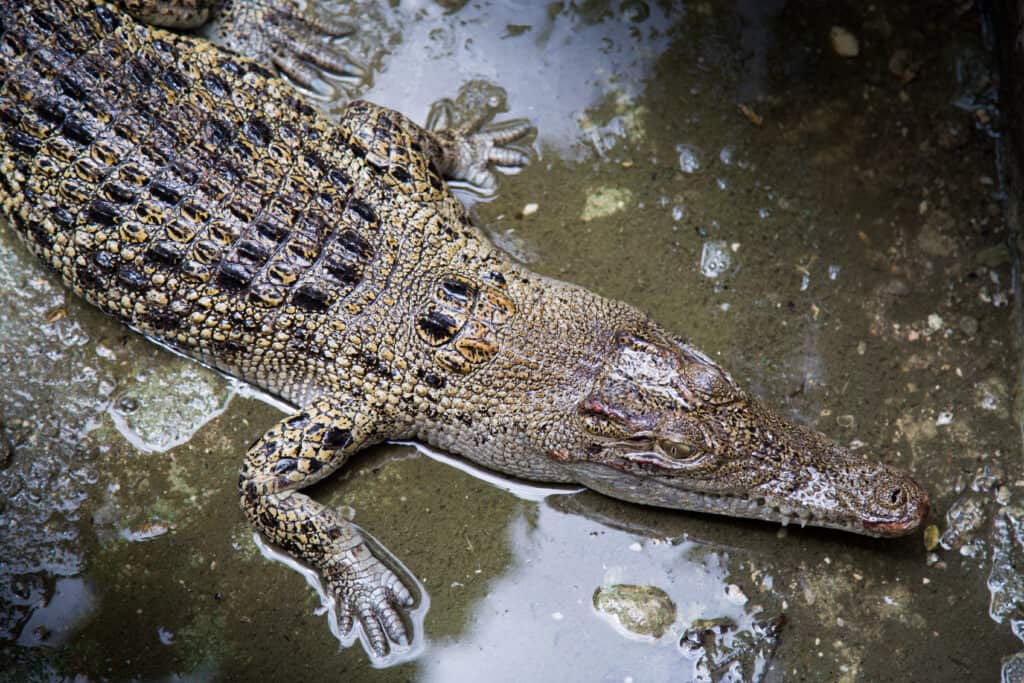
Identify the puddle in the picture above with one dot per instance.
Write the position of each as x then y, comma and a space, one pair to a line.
826, 225
164, 407
547, 597
54, 623
558, 61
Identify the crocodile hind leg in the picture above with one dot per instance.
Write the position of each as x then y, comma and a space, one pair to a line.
279, 34
296, 453
284, 36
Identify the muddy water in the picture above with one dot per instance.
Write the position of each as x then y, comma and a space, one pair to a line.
836, 242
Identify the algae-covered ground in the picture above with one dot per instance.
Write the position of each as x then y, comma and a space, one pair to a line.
808, 191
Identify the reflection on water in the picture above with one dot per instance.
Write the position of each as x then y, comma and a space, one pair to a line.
559, 60
55, 621
547, 597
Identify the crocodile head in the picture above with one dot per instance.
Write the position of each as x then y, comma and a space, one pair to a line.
664, 425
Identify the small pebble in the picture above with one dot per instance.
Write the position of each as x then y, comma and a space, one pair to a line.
844, 43
55, 314
897, 288
735, 594
643, 610
969, 325
1003, 495
689, 159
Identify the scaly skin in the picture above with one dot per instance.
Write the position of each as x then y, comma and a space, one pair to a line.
191, 194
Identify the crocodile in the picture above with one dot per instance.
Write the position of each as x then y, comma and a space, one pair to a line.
193, 193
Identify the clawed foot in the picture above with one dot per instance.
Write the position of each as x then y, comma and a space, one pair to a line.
472, 148
278, 34
367, 591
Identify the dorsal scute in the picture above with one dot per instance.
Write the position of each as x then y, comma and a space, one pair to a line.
462, 320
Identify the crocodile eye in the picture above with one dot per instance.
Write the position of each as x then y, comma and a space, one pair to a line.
678, 451
892, 495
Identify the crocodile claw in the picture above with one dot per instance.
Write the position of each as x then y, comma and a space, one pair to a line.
280, 35
368, 592
474, 146
477, 153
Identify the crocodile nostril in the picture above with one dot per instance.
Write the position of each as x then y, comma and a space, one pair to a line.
897, 496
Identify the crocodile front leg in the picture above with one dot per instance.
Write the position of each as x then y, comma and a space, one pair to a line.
297, 452
468, 152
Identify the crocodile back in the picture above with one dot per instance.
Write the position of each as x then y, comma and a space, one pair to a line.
189, 193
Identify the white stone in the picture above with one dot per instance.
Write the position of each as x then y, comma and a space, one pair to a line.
844, 43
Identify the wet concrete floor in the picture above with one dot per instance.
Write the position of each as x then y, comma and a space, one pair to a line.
808, 191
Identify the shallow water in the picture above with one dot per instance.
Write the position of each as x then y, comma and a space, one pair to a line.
838, 245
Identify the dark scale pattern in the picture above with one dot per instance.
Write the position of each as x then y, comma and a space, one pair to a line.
229, 214
187, 192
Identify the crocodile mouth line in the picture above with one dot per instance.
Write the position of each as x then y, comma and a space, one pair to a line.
665, 493
761, 509
734, 504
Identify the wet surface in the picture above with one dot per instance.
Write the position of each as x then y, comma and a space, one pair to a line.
827, 227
